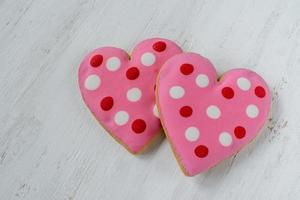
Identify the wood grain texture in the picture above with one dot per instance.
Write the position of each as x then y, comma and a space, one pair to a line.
51, 147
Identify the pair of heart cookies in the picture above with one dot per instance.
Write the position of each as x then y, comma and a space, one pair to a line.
206, 119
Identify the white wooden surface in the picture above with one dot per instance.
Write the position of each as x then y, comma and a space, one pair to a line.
52, 148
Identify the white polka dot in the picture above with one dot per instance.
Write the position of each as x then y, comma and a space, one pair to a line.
192, 134
148, 59
252, 111
113, 64
134, 94
121, 118
213, 112
92, 82
243, 83
155, 111
225, 139
176, 92
202, 80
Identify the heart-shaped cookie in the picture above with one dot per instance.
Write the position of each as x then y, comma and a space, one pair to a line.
119, 90
207, 120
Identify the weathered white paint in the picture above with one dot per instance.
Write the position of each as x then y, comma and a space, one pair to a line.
51, 147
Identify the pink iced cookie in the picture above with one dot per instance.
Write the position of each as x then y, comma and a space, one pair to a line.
119, 90
207, 120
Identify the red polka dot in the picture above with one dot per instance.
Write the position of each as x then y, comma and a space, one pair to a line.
132, 73
239, 132
186, 69
186, 111
154, 87
201, 151
260, 92
96, 60
159, 46
138, 126
228, 92
107, 103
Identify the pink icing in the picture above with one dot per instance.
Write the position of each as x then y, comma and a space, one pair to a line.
222, 120
108, 87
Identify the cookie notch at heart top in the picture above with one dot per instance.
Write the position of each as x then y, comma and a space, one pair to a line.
206, 120
119, 90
